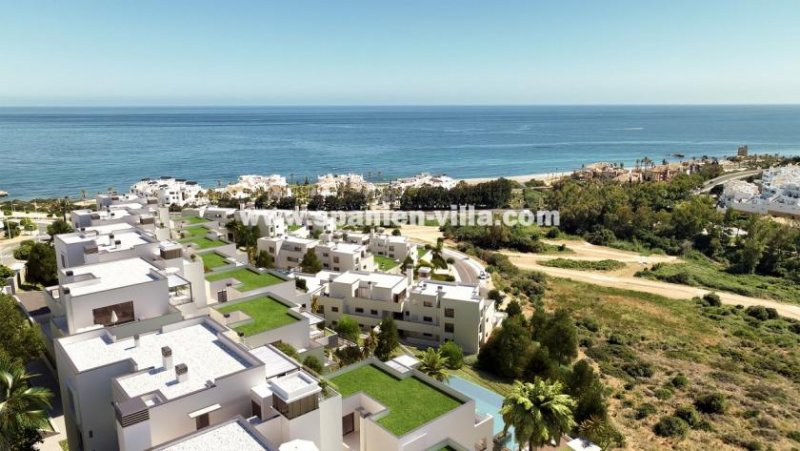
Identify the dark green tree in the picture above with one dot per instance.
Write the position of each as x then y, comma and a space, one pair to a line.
310, 263
388, 339
41, 266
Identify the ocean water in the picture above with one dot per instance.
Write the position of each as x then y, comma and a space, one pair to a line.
59, 151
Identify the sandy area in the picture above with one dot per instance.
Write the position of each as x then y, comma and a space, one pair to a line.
519, 178
423, 234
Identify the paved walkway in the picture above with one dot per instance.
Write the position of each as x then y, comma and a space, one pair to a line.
46, 379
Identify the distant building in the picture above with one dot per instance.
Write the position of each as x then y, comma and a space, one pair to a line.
171, 191
742, 151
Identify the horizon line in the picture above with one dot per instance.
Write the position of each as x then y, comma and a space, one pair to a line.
394, 105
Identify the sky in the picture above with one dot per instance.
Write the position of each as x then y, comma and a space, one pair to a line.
383, 52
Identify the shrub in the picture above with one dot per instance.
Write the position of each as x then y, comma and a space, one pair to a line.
589, 324
671, 427
644, 411
679, 381
761, 313
662, 393
495, 295
552, 233
300, 284
689, 415
455, 356
617, 339
638, 370
794, 435
287, 349
313, 363
711, 403
712, 299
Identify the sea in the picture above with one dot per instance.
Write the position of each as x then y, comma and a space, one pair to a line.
47, 152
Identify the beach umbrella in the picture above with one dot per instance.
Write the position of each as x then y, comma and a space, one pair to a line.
298, 445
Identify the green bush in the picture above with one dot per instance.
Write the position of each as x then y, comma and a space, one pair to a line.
313, 363
454, 354
711, 403
287, 349
761, 313
644, 411
662, 393
794, 435
671, 427
688, 414
638, 370
712, 299
679, 381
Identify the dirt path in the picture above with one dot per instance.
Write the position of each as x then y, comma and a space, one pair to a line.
424, 234
669, 290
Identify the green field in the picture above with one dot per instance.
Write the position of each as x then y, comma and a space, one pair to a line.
196, 231
584, 265
421, 251
411, 402
194, 220
213, 260
248, 279
203, 242
699, 272
385, 263
266, 313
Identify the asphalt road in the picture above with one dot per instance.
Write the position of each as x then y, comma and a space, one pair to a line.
708, 185
468, 270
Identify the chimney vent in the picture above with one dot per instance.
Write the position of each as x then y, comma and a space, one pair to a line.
166, 354
136, 339
69, 273
181, 372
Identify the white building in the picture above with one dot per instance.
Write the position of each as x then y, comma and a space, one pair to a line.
424, 179
333, 184
738, 191
135, 393
274, 186
778, 194
426, 312
379, 243
171, 191
270, 223
288, 253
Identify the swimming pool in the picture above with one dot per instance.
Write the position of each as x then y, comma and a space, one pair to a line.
486, 401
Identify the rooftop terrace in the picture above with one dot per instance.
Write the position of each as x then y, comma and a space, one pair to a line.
265, 314
197, 345
110, 275
232, 435
411, 402
248, 279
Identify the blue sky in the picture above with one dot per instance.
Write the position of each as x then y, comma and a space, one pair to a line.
398, 52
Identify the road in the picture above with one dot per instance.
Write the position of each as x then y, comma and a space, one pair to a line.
708, 185
468, 269
669, 290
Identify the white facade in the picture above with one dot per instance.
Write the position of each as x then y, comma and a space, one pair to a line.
424, 179
288, 253
779, 193
426, 312
274, 186
333, 184
270, 223
171, 191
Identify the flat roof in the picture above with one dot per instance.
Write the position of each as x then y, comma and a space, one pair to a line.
110, 275
229, 436
196, 345
275, 363
380, 279
350, 248
451, 291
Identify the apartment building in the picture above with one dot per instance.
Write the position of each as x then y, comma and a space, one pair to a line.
171, 191
139, 392
333, 184
426, 312
95, 244
274, 186
270, 223
288, 253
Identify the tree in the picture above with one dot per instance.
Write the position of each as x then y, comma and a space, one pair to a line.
310, 263
347, 328
24, 250
508, 350
23, 409
434, 364
538, 411
454, 354
561, 337
388, 339
264, 260
41, 266
19, 340
58, 227
513, 308
602, 433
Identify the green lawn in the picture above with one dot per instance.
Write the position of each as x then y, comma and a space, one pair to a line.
213, 260
584, 265
202, 242
411, 402
194, 220
293, 227
385, 263
249, 280
191, 232
267, 314
421, 251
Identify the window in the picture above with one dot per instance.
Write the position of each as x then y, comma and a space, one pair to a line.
321, 309
336, 259
295, 408
114, 314
202, 421
427, 303
335, 309
271, 249
427, 319
374, 312
256, 407
325, 254
449, 327
449, 313
359, 310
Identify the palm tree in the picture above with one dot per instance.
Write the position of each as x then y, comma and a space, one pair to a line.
539, 412
433, 364
22, 407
